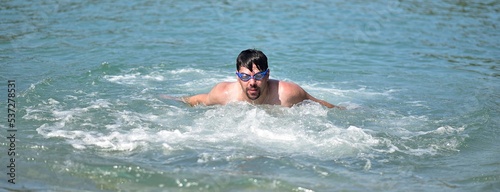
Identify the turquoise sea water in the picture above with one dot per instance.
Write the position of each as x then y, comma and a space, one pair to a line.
420, 80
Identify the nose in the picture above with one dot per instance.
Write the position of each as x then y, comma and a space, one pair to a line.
252, 81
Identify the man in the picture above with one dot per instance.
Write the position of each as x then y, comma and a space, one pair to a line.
254, 86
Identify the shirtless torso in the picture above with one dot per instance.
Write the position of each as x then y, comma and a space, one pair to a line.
276, 93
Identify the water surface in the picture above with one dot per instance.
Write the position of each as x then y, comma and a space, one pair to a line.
420, 81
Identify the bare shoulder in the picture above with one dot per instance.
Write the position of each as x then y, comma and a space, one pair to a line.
222, 86
291, 93
221, 93
218, 95
291, 89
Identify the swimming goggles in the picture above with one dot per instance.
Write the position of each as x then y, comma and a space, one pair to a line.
258, 76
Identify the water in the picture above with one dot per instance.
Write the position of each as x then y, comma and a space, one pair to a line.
420, 81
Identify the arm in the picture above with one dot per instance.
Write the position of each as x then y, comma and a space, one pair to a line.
215, 97
196, 99
296, 94
191, 100
322, 102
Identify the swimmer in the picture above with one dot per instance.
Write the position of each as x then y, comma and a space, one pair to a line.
253, 86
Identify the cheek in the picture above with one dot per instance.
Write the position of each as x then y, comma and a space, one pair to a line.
261, 84
242, 84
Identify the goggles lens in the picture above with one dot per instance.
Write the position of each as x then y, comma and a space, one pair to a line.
258, 76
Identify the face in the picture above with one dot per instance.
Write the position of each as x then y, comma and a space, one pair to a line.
253, 88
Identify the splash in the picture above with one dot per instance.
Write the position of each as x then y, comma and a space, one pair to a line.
303, 130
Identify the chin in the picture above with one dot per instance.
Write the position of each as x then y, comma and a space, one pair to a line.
251, 97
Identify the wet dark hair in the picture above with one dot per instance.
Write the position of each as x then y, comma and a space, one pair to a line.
249, 57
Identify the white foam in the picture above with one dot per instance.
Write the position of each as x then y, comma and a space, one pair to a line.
306, 129
300, 130
186, 70
448, 130
122, 79
189, 80
51, 101
100, 103
332, 91
269, 135
444, 138
135, 78
155, 77
279, 133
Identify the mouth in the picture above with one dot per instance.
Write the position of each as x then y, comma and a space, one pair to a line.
253, 93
